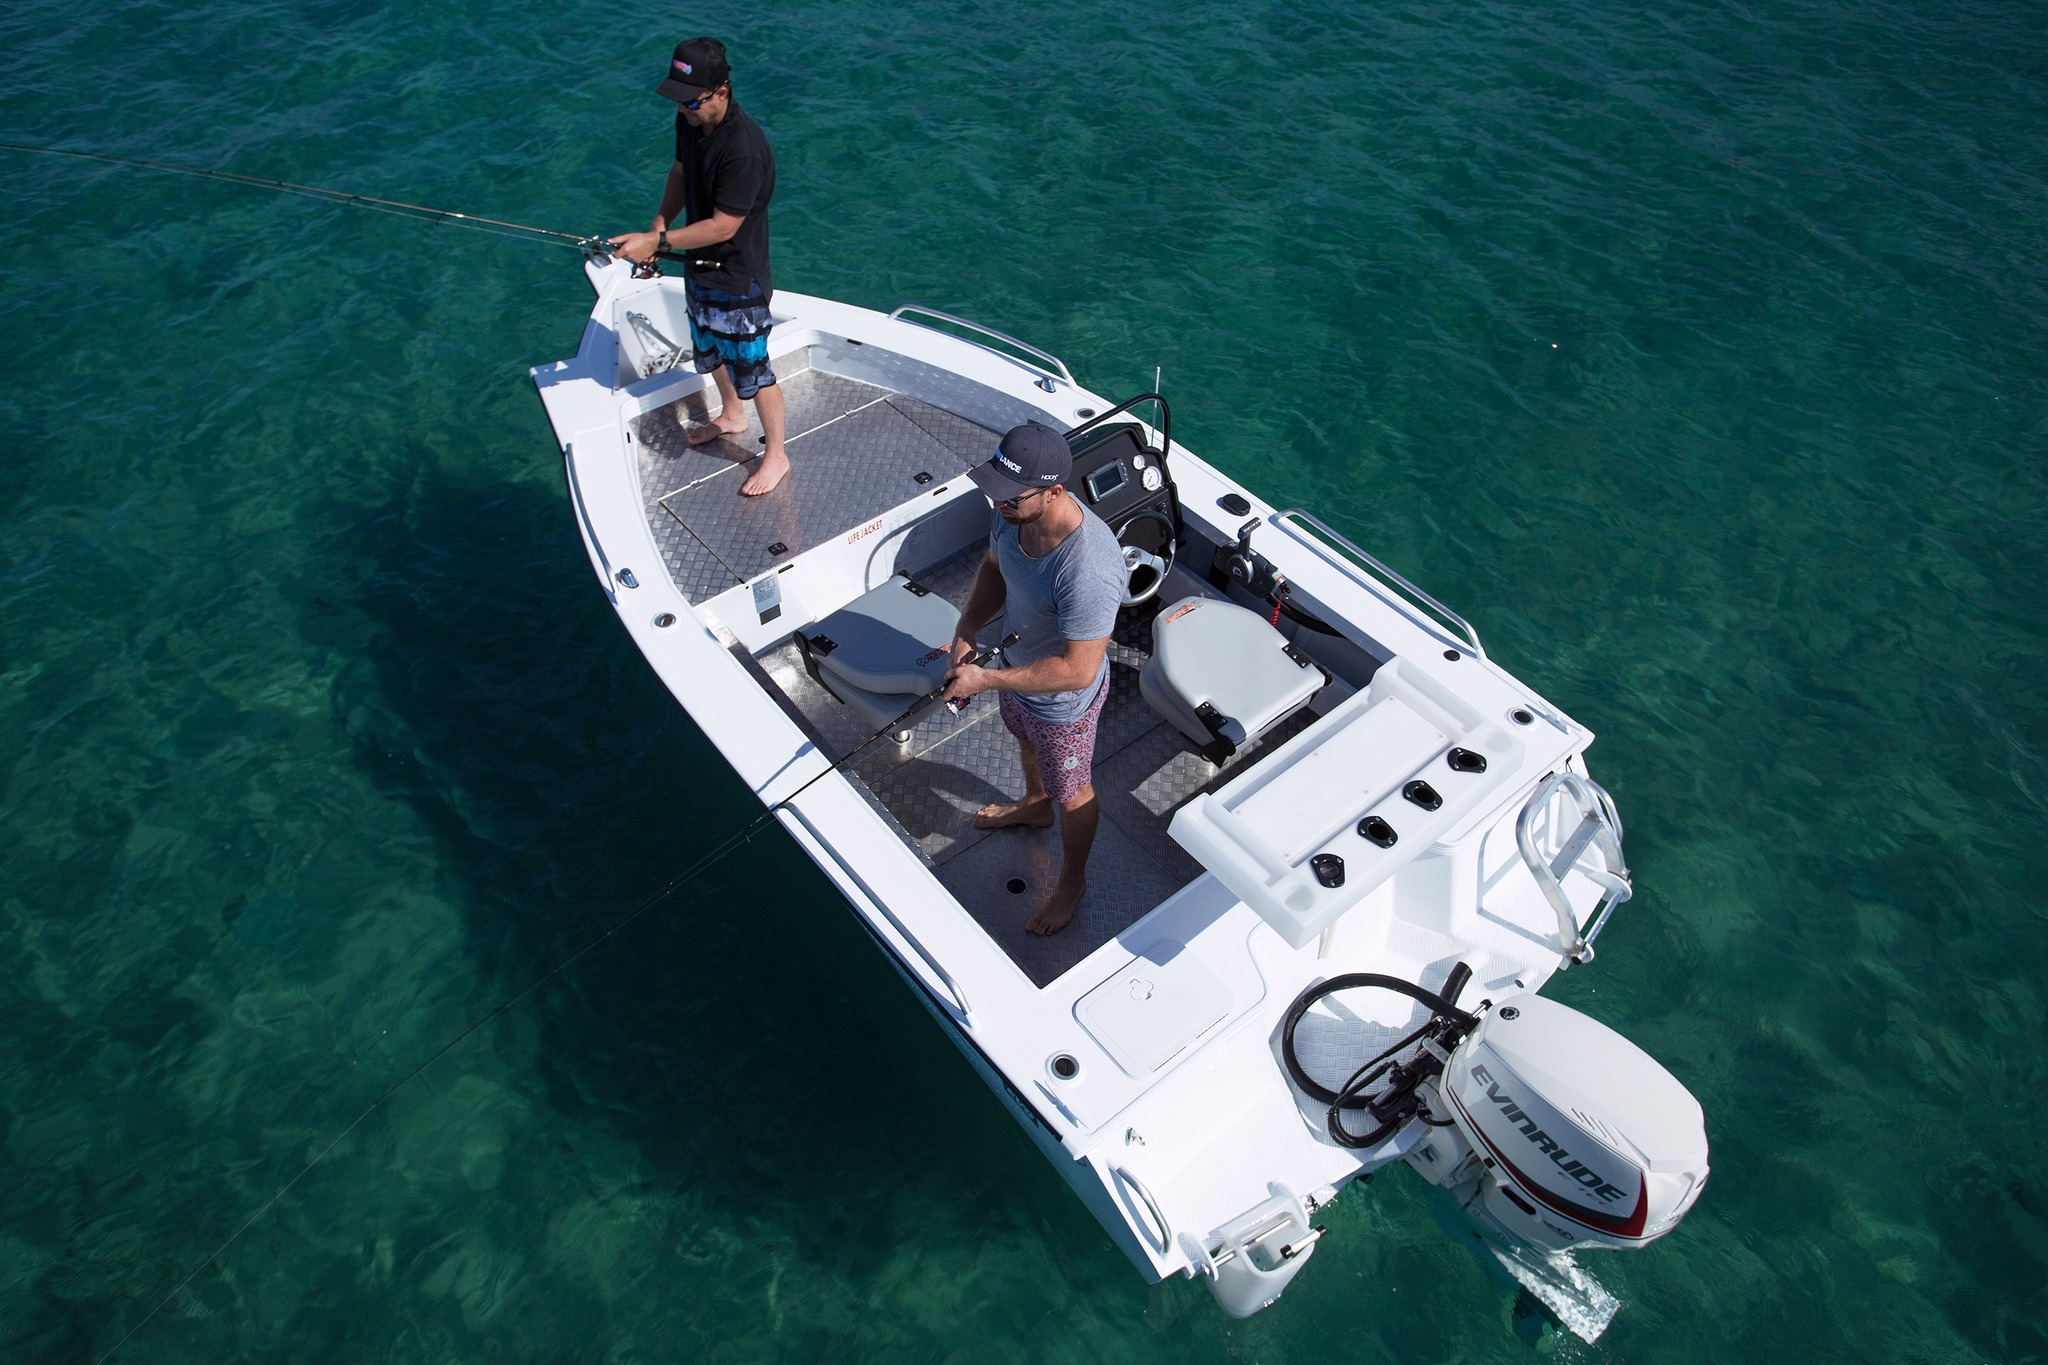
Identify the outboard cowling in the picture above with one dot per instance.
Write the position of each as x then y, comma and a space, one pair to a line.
1582, 1139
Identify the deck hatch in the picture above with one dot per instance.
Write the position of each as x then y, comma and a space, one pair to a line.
1149, 1012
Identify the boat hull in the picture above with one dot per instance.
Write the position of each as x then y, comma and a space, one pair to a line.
1164, 1136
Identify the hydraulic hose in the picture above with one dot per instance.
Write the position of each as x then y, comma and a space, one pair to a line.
1397, 1104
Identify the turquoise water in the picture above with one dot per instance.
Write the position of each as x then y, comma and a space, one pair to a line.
1695, 353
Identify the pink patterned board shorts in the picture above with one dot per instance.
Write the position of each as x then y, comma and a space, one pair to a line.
1066, 753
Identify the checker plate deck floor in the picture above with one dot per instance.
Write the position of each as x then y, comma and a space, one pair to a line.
932, 786
855, 450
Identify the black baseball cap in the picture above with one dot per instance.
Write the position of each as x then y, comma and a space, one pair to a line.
1030, 456
698, 65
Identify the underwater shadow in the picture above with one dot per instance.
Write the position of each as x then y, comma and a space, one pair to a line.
744, 1035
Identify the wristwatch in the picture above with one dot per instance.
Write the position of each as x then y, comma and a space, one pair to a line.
661, 242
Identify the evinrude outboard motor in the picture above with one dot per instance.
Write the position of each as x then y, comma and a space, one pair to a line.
1554, 1132
1568, 1134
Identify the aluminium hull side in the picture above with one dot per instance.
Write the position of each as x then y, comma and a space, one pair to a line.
1081, 1175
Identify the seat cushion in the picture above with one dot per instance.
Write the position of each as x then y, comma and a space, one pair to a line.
891, 640
1216, 654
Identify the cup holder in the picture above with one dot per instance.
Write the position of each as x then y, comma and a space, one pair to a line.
1064, 1066
1422, 794
1374, 830
1465, 761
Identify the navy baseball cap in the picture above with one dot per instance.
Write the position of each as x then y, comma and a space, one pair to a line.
1030, 456
698, 65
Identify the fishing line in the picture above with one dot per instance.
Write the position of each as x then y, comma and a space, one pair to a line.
496, 227
731, 841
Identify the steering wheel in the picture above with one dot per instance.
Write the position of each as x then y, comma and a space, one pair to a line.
1145, 572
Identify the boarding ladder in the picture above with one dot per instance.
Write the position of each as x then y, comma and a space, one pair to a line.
1568, 818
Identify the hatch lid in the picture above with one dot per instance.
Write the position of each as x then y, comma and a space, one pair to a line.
1151, 1010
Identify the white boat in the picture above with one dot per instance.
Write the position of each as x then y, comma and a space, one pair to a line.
1309, 771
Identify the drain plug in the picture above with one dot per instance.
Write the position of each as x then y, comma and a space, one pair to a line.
1016, 886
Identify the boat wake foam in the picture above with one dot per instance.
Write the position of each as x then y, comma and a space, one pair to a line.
1560, 1285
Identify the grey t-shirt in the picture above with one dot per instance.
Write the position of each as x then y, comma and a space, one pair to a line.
1071, 594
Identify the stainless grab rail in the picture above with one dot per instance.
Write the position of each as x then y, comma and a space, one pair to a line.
1600, 827
957, 996
1137, 1187
1379, 566
1059, 367
583, 515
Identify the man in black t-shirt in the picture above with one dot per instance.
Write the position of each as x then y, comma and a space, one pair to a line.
720, 183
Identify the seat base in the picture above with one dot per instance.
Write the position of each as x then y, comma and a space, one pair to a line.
875, 709
1223, 676
883, 650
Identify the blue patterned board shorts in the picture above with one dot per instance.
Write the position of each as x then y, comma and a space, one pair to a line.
731, 330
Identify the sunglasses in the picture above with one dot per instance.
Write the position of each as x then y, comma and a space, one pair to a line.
1012, 504
699, 101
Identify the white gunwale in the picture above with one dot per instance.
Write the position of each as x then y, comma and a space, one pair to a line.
1204, 1135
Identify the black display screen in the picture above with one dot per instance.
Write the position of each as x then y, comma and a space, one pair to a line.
1105, 481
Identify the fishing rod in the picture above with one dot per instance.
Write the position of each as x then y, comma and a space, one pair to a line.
917, 707
497, 227
600, 246
731, 841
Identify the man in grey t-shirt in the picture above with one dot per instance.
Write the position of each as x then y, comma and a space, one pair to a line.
1055, 572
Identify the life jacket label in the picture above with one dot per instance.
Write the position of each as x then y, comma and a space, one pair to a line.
768, 597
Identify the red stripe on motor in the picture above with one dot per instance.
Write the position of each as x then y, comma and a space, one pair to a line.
1631, 1226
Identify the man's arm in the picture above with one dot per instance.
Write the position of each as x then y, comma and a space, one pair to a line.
1070, 670
640, 246
671, 198
983, 602
719, 227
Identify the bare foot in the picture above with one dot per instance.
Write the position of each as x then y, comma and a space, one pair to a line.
722, 426
1002, 814
1059, 908
773, 466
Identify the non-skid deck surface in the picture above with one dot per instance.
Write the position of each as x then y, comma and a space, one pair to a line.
931, 787
855, 451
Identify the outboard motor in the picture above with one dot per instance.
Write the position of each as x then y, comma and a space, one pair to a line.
1554, 1132
1570, 1135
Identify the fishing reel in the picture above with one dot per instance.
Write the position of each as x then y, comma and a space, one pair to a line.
980, 660
600, 252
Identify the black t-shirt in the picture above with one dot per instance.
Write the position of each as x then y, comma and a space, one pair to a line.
728, 168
